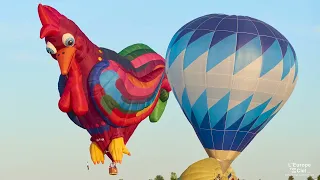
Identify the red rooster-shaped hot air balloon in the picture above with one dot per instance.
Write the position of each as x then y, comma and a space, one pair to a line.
104, 92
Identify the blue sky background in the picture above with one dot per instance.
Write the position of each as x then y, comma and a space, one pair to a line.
39, 142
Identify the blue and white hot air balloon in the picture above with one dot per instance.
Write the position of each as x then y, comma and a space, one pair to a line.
230, 75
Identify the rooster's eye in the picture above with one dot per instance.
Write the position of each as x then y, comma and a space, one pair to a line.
50, 48
68, 40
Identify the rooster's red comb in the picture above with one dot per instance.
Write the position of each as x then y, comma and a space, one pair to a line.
49, 18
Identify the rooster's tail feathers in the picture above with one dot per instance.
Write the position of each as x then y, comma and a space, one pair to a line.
135, 50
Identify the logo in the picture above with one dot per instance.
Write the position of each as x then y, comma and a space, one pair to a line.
299, 169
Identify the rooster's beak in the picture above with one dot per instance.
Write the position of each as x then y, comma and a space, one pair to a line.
65, 56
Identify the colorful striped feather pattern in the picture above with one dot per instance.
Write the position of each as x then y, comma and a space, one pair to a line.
125, 87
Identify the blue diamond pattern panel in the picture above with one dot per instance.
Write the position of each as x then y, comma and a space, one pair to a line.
231, 75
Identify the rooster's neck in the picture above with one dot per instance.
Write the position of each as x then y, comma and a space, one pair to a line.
88, 58
80, 69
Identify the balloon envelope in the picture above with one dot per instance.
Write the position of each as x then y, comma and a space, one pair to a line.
230, 75
205, 169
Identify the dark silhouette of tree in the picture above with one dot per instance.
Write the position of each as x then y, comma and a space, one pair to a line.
318, 178
173, 176
310, 178
159, 177
291, 178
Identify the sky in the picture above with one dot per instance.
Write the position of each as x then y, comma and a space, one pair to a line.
40, 142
